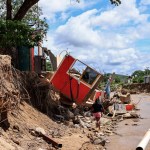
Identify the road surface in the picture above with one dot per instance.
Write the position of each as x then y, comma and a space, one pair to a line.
132, 130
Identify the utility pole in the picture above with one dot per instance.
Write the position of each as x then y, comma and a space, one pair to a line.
147, 71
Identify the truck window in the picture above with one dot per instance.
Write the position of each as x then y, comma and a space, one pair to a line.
83, 72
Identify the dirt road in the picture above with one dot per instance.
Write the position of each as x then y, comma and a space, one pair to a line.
131, 131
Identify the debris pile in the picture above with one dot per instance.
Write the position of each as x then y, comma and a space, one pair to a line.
43, 96
79, 117
67, 121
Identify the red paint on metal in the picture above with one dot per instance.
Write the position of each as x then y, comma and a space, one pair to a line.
129, 107
97, 94
67, 84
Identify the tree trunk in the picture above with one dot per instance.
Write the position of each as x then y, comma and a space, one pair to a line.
27, 4
9, 10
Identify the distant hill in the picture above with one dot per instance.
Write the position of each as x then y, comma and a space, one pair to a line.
122, 78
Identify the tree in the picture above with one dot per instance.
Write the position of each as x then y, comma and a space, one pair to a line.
117, 79
20, 25
48, 66
13, 16
138, 73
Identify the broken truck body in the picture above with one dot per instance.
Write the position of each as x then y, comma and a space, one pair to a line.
75, 80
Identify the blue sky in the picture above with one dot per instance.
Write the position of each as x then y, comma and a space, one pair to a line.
106, 37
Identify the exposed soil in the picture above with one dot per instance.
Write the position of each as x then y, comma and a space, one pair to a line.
138, 87
22, 121
18, 136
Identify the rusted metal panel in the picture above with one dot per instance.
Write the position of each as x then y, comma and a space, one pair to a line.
77, 85
24, 58
49, 140
39, 64
95, 94
32, 59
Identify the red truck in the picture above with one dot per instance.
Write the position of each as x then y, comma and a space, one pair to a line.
75, 80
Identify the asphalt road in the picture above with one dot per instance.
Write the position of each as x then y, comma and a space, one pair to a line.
131, 131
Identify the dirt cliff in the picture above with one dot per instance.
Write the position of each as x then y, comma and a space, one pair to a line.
138, 87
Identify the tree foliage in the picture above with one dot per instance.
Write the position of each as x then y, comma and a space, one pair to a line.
115, 2
138, 75
16, 30
48, 66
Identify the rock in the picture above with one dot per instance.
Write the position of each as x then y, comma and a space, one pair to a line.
90, 136
16, 127
14, 114
99, 134
15, 141
76, 111
105, 121
82, 124
55, 133
32, 132
131, 115
60, 117
99, 141
110, 109
68, 123
76, 121
134, 124
108, 131
134, 115
119, 117
107, 141
87, 114
40, 130
87, 125
69, 115
127, 115
76, 126
135, 120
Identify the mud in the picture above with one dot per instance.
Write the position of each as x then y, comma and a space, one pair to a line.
131, 131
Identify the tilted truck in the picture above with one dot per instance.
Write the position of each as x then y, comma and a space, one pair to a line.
75, 80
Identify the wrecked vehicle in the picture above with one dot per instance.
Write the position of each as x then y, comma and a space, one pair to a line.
75, 80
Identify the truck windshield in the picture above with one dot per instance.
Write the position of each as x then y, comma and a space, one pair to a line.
81, 71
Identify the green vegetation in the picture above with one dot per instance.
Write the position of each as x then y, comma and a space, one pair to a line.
138, 76
119, 80
27, 31
20, 25
48, 66
16, 33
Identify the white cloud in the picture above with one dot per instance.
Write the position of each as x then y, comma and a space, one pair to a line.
145, 2
50, 8
106, 40
120, 16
